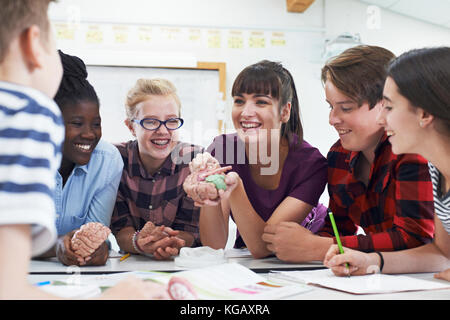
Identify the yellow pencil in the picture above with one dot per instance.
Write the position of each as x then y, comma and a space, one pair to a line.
124, 257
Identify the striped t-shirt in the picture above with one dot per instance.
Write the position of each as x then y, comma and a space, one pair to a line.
441, 201
31, 134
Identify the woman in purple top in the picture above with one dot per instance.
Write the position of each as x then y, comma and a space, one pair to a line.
276, 176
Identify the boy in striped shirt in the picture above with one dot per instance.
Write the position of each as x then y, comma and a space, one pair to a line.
31, 134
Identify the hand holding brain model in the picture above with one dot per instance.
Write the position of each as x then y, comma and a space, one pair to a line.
86, 245
207, 182
88, 238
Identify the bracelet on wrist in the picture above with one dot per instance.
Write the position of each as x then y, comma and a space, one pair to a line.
135, 244
381, 260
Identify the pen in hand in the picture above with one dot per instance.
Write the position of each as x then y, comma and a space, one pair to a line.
338, 240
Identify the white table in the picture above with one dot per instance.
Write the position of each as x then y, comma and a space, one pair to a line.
51, 269
138, 262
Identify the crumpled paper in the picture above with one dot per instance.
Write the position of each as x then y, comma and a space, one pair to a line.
200, 257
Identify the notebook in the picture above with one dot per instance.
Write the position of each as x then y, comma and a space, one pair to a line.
367, 284
72, 291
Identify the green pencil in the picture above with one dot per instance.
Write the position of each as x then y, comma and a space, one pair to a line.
336, 234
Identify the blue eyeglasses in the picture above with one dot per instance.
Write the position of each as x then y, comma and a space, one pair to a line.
154, 124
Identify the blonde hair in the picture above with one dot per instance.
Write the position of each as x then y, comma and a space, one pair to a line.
145, 88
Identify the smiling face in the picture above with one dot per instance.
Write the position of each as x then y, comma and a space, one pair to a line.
155, 145
83, 131
356, 126
400, 120
255, 115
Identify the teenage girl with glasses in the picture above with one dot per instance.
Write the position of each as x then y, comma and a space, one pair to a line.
153, 216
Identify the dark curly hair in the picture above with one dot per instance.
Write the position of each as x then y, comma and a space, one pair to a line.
74, 87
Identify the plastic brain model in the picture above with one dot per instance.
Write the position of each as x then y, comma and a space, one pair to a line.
206, 179
88, 238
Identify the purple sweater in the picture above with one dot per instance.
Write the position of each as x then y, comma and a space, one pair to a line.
304, 174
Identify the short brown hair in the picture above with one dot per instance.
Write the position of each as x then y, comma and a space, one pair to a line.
148, 87
359, 73
17, 16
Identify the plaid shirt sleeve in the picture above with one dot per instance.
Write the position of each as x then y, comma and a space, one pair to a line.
121, 216
338, 185
396, 211
159, 198
187, 219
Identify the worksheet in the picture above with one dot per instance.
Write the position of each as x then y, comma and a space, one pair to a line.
367, 284
228, 281
234, 281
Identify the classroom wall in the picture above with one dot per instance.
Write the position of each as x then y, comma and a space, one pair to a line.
299, 49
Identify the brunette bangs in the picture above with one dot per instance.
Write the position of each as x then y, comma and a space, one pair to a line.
257, 79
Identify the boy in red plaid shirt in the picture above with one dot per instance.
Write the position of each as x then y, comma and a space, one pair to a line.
388, 196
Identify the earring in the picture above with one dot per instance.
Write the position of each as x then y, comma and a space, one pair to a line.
421, 124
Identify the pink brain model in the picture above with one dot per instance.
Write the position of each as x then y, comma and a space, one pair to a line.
88, 238
181, 289
197, 185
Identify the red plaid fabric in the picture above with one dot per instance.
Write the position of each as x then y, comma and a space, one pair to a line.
395, 209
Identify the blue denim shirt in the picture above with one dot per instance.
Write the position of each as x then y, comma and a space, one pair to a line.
90, 192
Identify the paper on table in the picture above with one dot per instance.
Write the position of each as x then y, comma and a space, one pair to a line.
110, 280
224, 281
72, 291
368, 284
233, 281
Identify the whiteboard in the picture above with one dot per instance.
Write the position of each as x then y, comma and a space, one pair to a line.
198, 90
